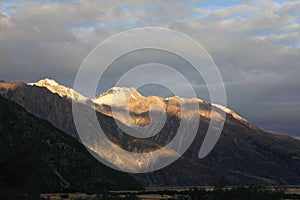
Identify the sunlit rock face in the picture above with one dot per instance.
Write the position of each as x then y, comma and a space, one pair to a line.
244, 154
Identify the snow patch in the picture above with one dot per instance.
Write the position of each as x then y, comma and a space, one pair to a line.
229, 111
117, 96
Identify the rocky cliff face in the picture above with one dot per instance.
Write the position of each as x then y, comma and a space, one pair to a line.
244, 154
37, 157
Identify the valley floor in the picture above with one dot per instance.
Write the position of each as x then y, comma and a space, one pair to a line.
236, 193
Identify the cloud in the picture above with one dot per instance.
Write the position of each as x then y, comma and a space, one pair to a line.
270, 101
255, 44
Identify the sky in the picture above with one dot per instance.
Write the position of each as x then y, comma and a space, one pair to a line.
255, 44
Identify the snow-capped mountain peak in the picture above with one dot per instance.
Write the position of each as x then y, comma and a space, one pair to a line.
61, 90
46, 82
117, 96
124, 97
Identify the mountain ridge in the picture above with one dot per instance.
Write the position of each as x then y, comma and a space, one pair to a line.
121, 96
245, 154
61, 90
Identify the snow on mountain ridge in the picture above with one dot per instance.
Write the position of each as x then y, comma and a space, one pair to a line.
61, 90
120, 96
229, 111
117, 96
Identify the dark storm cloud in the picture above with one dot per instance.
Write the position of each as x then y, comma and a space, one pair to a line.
271, 102
255, 45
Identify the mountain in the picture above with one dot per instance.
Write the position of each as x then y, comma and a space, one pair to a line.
117, 96
42, 102
245, 154
37, 157
50, 106
61, 90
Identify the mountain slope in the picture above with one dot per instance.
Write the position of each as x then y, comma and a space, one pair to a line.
36, 156
42, 103
244, 154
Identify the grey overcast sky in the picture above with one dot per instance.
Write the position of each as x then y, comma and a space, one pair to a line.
256, 45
